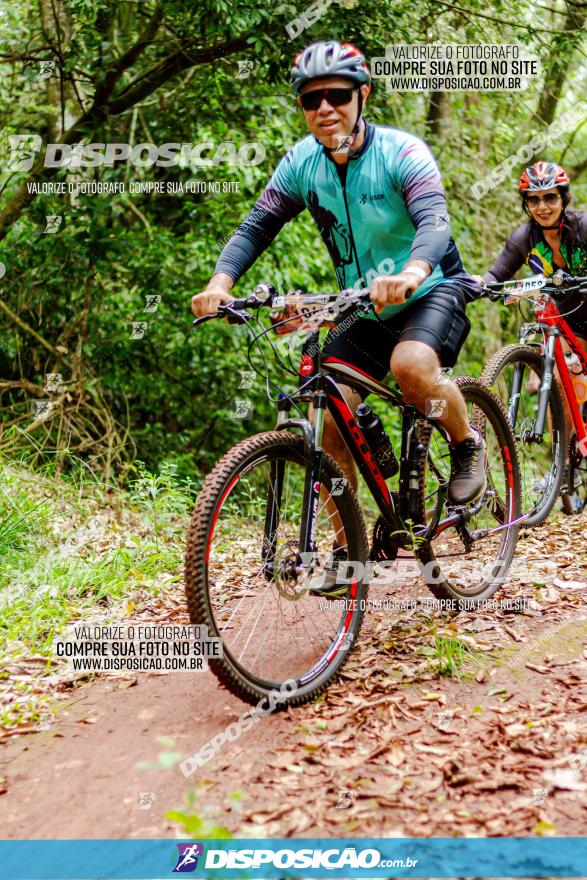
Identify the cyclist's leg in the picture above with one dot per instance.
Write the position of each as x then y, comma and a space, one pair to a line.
366, 346
432, 334
416, 368
433, 331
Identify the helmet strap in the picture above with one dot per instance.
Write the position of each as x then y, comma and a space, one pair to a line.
558, 225
354, 133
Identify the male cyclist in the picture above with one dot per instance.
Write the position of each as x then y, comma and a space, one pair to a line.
376, 196
554, 238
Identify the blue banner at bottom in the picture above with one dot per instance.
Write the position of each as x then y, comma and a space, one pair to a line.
300, 858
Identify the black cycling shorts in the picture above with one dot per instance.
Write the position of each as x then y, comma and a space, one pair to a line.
438, 319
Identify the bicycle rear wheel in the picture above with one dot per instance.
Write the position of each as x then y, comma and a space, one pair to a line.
575, 500
468, 560
513, 369
245, 579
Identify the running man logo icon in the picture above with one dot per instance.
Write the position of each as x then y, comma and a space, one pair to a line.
54, 221
187, 858
138, 329
435, 408
338, 486
23, 150
46, 69
344, 143
244, 69
151, 303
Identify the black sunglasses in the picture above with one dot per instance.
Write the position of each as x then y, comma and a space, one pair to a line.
335, 97
548, 199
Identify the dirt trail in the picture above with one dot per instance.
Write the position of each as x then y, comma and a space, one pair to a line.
393, 749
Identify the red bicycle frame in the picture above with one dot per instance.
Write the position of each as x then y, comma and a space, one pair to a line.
550, 315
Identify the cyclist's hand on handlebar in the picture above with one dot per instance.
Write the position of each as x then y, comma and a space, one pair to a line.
479, 279
207, 302
393, 290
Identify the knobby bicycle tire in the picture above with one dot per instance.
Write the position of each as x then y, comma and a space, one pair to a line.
509, 356
210, 500
479, 395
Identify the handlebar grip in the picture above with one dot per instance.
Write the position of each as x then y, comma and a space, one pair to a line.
201, 320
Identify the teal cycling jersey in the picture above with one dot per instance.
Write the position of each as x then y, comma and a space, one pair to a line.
382, 208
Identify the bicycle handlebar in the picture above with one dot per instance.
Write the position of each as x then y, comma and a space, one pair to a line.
560, 283
265, 296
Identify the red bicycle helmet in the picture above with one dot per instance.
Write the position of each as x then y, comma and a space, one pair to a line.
543, 175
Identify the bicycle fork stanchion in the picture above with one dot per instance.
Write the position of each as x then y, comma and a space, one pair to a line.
312, 484
272, 518
544, 393
274, 498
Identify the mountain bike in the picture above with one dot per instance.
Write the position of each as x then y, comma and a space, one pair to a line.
538, 419
262, 533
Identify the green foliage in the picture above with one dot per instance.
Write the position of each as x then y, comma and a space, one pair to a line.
447, 655
171, 392
195, 825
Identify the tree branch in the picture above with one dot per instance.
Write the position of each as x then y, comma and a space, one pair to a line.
28, 329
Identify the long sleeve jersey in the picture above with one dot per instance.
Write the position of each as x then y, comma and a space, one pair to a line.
382, 208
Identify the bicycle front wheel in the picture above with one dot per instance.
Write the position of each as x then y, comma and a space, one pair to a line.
468, 556
248, 583
515, 374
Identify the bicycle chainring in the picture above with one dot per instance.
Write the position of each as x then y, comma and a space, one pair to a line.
385, 544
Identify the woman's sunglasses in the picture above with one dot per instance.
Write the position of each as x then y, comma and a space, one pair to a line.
549, 199
335, 97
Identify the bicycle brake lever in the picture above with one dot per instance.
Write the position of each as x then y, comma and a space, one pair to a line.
201, 320
224, 312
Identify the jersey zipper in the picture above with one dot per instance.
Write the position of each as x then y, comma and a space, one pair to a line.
348, 217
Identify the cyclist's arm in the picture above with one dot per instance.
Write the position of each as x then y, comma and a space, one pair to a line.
418, 177
279, 203
512, 257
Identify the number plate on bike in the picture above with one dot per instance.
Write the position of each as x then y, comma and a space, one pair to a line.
523, 288
301, 312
